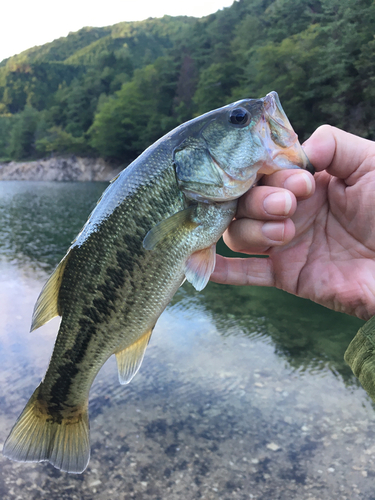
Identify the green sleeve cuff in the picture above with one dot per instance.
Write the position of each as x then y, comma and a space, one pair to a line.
360, 356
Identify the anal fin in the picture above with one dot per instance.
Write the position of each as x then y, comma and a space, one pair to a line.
130, 359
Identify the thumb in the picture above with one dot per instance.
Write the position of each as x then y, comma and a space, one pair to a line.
339, 152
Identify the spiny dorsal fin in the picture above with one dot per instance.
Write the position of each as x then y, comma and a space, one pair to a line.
199, 267
46, 306
177, 221
130, 359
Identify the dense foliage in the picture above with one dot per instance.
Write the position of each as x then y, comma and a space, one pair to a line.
113, 91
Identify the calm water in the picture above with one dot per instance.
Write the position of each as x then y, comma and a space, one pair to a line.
243, 392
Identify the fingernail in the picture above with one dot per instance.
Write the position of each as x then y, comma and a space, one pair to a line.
278, 203
299, 183
274, 230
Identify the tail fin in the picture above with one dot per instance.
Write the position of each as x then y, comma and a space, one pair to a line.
38, 436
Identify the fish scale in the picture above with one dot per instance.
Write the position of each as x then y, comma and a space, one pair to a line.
116, 286
156, 224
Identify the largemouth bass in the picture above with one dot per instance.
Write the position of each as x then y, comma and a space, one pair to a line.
156, 224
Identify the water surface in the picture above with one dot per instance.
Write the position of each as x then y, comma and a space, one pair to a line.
243, 392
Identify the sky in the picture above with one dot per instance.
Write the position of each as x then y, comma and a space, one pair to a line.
26, 23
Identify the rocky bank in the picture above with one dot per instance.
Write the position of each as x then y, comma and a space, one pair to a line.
72, 168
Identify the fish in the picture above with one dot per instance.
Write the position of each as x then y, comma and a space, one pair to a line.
155, 225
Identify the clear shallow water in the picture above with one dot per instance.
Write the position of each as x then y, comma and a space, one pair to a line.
243, 392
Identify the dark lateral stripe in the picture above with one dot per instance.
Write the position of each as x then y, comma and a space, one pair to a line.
108, 267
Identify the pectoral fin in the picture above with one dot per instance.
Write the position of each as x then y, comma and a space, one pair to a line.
179, 221
200, 266
46, 306
130, 359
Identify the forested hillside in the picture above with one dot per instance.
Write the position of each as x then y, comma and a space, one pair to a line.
113, 91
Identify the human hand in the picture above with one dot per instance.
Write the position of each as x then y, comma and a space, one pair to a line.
322, 249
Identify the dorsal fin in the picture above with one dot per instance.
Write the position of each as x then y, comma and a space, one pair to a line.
130, 359
46, 306
200, 266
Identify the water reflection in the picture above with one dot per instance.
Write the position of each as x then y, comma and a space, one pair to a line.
305, 334
38, 220
235, 399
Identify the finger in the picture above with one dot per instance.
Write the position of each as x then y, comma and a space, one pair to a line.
266, 203
299, 182
251, 271
256, 237
339, 152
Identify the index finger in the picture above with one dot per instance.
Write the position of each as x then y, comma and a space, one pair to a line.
339, 153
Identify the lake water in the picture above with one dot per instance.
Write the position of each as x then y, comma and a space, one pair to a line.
243, 393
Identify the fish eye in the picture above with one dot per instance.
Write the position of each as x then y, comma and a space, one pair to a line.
240, 117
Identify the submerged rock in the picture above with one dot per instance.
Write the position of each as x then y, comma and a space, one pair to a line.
72, 168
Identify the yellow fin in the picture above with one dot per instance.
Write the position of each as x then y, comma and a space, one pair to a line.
200, 266
167, 226
46, 306
130, 359
38, 436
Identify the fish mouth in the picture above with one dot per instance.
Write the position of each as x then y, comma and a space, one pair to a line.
279, 139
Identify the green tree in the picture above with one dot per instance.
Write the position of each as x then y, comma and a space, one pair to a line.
348, 30
288, 68
22, 134
215, 86
285, 18
138, 114
6, 124
365, 66
185, 89
130, 83
57, 140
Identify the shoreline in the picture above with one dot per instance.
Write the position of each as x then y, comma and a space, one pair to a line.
60, 169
